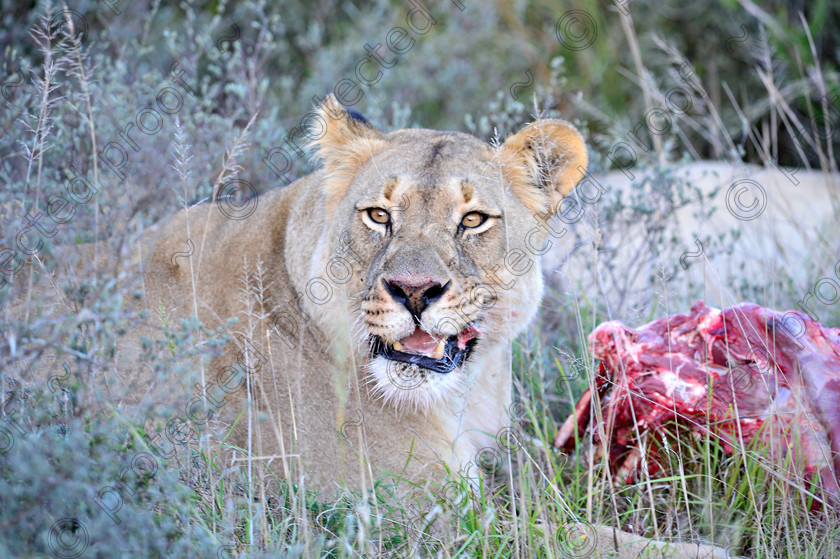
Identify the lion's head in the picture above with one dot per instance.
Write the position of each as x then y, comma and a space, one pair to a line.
445, 231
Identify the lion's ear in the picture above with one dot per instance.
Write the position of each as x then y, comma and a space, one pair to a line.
544, 161
345, 142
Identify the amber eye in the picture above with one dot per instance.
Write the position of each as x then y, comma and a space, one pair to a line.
473, 219
378, 215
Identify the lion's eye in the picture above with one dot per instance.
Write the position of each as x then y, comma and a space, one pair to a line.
473, 219
378, 215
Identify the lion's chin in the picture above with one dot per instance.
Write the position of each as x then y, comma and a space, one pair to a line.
409, 386
419, 370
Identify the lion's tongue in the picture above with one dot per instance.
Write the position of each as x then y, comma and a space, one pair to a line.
421, 343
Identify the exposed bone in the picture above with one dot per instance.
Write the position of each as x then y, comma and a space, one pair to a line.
576, 420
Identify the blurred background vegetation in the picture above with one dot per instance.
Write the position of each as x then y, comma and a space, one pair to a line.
458, 76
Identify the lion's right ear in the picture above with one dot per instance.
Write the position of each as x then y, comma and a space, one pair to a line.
345, 142
543, 162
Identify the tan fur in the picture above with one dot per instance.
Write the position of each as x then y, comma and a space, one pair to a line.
319, 405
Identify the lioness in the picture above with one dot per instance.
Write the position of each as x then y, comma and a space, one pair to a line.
379, 300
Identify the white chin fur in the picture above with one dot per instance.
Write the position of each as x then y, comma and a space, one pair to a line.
409, 387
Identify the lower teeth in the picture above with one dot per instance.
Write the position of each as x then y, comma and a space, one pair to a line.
438, 354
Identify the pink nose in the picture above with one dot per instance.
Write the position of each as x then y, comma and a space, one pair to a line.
415, 294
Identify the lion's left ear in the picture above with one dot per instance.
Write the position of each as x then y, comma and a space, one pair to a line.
544, 161
345, 142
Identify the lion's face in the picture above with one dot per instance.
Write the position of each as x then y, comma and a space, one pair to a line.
437, 224
429, 221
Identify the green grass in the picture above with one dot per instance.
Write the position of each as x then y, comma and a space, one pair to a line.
734, 500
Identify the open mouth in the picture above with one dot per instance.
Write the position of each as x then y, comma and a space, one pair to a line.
440, 355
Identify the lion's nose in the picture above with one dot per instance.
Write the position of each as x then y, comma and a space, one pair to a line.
414, 294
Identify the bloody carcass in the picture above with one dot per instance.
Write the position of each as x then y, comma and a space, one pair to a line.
743, 375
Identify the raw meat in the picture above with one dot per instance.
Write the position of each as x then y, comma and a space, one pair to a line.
738, 374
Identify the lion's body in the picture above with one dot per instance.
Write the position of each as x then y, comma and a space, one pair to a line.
289, 234
315, 374
312, 278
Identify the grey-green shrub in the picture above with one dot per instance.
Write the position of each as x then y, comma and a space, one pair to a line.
54, 473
